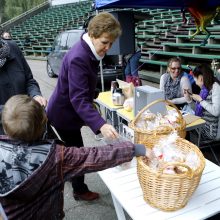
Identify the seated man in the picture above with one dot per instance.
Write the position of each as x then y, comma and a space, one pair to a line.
132, 66
33, 171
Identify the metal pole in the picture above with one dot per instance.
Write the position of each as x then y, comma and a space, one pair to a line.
101, 69
101, 75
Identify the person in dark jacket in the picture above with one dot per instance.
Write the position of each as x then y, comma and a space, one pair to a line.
75, 90
15, 75
6, 35
132, 66
33, 171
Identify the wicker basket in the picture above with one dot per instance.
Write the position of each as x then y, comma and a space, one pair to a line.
149, 137
170, 192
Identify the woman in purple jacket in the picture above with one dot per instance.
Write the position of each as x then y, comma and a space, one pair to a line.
75, 91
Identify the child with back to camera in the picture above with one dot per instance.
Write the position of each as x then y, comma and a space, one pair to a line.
33, 171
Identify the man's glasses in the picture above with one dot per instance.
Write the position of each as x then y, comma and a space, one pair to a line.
175, 68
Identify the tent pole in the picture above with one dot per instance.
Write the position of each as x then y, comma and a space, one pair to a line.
101, 69
101, 75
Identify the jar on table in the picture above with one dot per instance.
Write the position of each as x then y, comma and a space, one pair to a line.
118, 97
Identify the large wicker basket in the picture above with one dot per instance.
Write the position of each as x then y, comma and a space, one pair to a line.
148, 137
170, 192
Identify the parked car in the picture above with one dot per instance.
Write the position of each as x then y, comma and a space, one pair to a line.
64, 41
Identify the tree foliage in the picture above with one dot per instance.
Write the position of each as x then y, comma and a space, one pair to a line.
13, 8
2, 5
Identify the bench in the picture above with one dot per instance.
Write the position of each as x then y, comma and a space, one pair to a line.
195, 48
41, 47
41, 53
145, 25
150, 76
167, 15
215, 28
162, 20
155, 31
163, 11
179, 54
145, 36
161, 64
164, 39
213, 39
168, 25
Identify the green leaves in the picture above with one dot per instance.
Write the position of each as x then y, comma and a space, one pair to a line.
13, 8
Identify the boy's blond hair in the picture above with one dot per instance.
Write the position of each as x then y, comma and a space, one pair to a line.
23, 118
104, 23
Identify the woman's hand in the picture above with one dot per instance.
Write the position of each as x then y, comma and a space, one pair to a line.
41, 100
170, 100
109, 132
188, 95
196, 97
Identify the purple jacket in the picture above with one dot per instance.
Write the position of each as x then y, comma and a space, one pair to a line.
32, 176
75, 90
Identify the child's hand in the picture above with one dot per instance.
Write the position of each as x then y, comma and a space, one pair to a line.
149, 154
187, 95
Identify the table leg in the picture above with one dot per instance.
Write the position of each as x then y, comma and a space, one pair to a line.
108, 116
118, 208
199, 135
119, 125
113, 119
106, 113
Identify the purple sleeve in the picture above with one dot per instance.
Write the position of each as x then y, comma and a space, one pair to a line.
79, 92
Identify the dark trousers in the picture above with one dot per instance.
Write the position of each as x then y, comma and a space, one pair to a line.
1, 129
74, 139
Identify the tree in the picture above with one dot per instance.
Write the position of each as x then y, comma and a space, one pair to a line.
2, 3
13, 8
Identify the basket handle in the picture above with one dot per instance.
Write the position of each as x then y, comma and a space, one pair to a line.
157, 130
189, 172
153, 103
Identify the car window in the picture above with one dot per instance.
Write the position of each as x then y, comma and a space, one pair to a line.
73, 38
63, 40
56, 42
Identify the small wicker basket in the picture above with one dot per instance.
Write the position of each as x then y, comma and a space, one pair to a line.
170, 192
148, 137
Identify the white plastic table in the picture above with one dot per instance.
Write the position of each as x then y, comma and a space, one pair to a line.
127, 195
